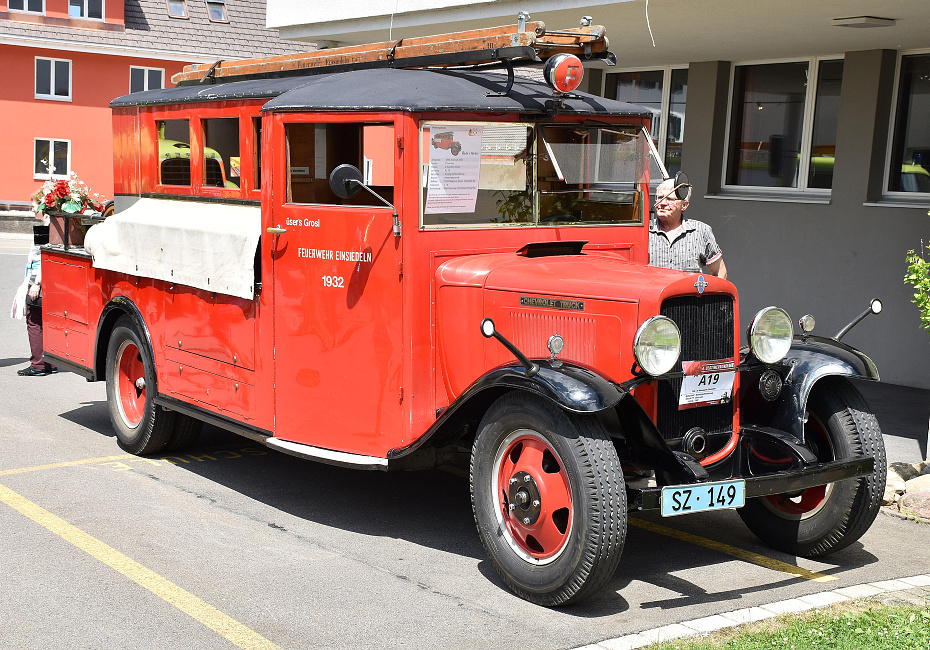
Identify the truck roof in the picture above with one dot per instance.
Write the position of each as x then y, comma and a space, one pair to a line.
390, 89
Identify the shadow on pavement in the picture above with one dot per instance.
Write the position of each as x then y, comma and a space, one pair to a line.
14, 361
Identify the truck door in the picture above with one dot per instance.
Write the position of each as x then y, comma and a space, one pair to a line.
337, 286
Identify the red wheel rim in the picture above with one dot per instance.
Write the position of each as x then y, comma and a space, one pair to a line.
130, 383
534, 500
812, 500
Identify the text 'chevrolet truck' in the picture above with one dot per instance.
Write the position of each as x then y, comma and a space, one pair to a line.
388, 256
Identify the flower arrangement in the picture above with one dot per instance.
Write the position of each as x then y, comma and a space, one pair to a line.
70, 195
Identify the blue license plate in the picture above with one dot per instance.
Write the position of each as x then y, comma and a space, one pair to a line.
687, 499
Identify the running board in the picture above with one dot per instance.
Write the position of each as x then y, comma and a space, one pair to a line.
340, 458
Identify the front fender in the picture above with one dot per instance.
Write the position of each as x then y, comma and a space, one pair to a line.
809, 360
573, 388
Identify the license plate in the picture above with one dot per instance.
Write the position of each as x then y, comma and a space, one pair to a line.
687, 499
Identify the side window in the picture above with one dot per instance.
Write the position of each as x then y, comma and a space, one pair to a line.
174, 152
257, 152
315, 150
476, 173
30, 6
85, 9
221, 152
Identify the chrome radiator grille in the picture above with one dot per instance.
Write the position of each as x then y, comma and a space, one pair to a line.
706, 324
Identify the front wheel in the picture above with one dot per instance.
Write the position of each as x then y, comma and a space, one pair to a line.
142, 427
824, 519
549, 500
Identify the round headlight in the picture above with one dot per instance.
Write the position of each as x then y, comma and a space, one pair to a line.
657, 345
770, 334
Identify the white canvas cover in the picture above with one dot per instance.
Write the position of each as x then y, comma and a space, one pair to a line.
204, 245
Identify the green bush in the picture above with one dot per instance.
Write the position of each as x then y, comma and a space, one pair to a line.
918, 274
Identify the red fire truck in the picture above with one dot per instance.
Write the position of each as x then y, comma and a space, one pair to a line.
356, 296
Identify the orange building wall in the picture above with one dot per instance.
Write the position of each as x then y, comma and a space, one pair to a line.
85, 120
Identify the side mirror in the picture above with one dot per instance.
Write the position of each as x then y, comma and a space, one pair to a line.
345, 181
682, 186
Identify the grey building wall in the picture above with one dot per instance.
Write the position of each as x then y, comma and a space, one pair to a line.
827, 258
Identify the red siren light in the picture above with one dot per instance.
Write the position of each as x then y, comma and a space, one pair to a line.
563, 72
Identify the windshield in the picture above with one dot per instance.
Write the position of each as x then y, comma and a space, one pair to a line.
485, 173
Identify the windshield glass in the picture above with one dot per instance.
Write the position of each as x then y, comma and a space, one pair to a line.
485, 173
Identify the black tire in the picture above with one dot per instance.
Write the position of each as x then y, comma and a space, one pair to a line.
185, 433
141, 426
581, 521
456, 149
823, 520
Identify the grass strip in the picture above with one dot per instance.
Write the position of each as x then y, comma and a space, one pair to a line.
852, 625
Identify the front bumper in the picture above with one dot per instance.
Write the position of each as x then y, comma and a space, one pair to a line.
793, 480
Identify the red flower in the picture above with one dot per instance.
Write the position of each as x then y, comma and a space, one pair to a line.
49, 200
61, 189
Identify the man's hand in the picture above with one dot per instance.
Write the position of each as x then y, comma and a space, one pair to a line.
34, 292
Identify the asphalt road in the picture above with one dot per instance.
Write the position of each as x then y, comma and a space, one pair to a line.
232, 545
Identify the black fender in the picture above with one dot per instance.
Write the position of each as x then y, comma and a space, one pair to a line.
572, 387
810, 359
118, 306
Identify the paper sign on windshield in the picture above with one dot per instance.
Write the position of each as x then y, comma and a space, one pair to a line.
454, 167
706, 382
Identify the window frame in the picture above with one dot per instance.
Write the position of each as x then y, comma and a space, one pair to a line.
243, 112
53, 97
103, 11
186, 15
26, 10
807, 135
225, 18
889, 145
666, 103
146, 77
51, 149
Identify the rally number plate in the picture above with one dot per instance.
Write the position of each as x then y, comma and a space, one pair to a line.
687, 499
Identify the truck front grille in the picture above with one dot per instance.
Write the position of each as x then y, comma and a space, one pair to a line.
706, 324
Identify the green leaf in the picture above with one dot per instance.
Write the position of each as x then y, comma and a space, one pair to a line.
71, 207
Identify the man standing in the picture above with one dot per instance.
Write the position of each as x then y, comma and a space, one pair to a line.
679, 243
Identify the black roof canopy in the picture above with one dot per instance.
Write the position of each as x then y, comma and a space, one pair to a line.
389, 89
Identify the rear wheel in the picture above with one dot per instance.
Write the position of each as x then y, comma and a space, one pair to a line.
549, 500
142, 427
824, 519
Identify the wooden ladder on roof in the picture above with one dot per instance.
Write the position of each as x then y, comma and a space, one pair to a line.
526, 41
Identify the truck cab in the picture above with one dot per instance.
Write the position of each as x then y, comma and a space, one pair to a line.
419, 265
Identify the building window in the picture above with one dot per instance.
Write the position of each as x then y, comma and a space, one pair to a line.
909, 169
85, 9
52, 158
30, 6
664, 93
145, 79
177, 8
783, 128
53, 79
217, 12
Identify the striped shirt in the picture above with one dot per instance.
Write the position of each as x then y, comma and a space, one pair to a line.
685, 249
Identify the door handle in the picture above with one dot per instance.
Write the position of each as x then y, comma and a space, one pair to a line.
277, 230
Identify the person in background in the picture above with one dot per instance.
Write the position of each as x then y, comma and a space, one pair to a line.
28, 300
679, 243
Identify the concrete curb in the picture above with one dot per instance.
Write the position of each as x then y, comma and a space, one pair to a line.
900, 515
716, 622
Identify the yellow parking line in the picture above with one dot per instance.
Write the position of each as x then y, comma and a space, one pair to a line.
185, 601
742, 554
69, 463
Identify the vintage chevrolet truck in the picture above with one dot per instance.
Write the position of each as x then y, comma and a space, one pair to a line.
359, 295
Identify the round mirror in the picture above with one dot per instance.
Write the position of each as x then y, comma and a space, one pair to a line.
682, 186
487, 328
345, 181
876, 306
